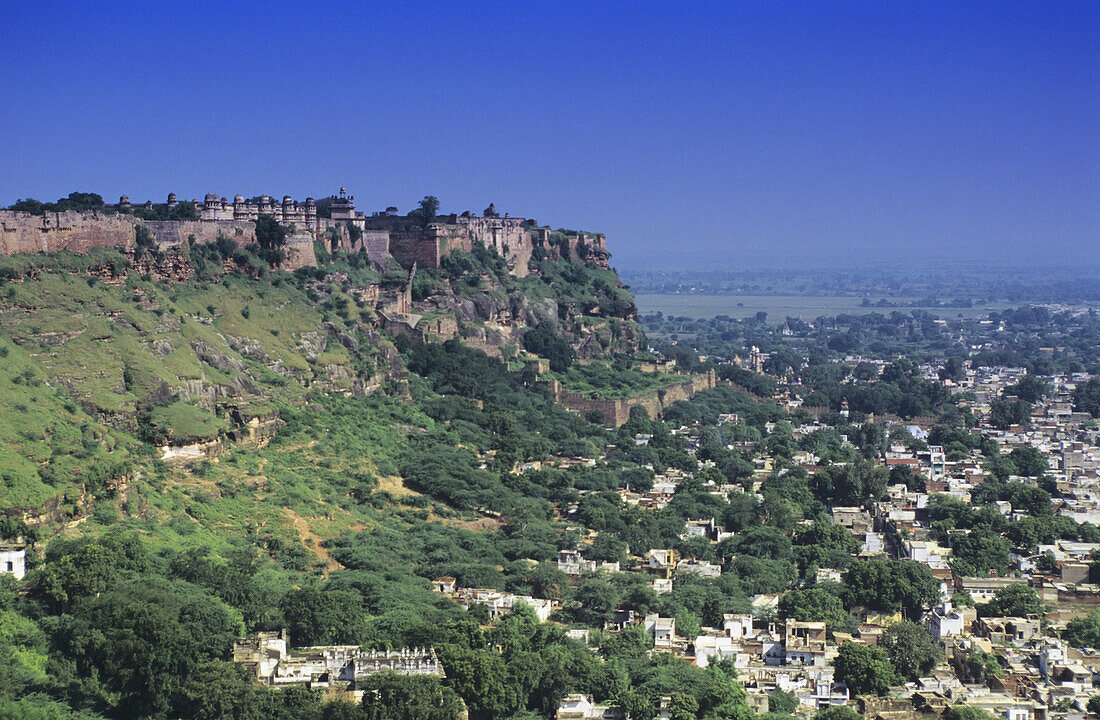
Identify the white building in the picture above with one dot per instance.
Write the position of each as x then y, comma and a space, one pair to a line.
13, 559
737, 625
699, 567
663, 631
714, 648
581, 707
662, 586
500, 603
943, 622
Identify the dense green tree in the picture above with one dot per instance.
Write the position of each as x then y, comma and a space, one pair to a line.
980, 665
966, 712
1018, 600
764, 542
865, 670
1083, 631
782, 702
1047, 563
980, 551
86, 567
543, 341
905, 475
216, 690
911, 650
427, 210
1030, 388
139, 642
323, 617
1086, 398
271, 237
763, 575
812, 604
952, 369
859, 483
1005, 413
824, 544
389, 696
1029, 462
837, 712
480, 677
891, 586
741, 513
596, 599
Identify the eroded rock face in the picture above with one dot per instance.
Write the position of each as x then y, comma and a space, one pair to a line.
312, 344
193, 451
215, 358
171, 265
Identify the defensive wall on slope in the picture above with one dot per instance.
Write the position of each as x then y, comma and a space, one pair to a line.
21, 232
171, 233
79, 232
515, 239
384, 236
617, 411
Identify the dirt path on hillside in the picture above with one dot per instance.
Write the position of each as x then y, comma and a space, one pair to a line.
306, 533
395, 486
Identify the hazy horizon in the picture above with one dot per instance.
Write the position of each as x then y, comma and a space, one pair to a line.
780, 136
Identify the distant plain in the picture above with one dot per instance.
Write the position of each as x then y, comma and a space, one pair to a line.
779, 307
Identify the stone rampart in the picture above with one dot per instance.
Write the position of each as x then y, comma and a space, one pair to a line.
21, 232
376, 244
617, 411
299, 252
415, 249
409, 242
170, 233
382, 236
509, 236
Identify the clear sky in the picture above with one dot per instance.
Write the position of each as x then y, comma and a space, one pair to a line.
696, 135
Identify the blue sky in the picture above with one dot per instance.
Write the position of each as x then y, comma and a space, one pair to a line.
696, 135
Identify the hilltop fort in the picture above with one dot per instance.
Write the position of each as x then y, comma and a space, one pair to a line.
333, 221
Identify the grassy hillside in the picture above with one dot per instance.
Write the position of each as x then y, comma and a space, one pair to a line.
317, 476
96, 372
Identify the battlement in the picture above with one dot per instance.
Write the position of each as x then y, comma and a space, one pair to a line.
213, 208
382, 236
514, 238
21, 232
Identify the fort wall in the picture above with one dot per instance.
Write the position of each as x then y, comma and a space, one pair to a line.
509, 236
382, 237
415, 249
376, 245
299, 251
410, 243
617, 411
21, 232
170, 233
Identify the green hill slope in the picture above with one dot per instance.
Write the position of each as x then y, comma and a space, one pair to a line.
249, 450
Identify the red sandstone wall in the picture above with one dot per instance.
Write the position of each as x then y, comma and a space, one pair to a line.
409, 248
377, 245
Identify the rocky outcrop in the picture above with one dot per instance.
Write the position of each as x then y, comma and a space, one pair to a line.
171, 265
